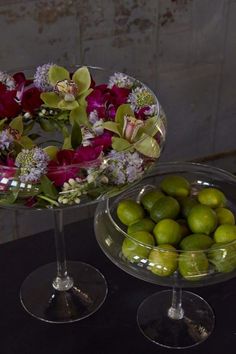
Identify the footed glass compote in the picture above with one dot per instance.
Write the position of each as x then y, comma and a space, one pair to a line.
192, 244
68, 138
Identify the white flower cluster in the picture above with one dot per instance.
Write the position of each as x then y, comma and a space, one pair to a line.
7, 80
124, 167
121, 80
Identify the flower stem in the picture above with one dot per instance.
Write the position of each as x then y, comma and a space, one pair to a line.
176, 311
63, 281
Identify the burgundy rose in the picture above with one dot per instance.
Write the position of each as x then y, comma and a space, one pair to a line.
9, 108
31, 100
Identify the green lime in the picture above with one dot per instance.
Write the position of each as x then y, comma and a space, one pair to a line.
212, 197
225, 233
163, 260
150, 198
184, 229
186, 204
202, 219
141, 225
167, 231
193, 265
133, 250
128, 211
225, 216
196, 242
165, 207
175, 186
223, 256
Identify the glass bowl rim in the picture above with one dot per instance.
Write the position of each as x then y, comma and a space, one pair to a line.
152, 174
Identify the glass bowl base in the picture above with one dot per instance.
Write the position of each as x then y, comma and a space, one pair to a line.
41, 300
195, 326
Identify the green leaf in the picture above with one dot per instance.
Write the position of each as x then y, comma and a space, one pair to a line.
51, 151
17, 123
76, 136
112, 126
63, 116
9, 198
34, 136
2, 121
46, 125
57, 73
147, 146
26, 142
82, 78
68, 105
28, 127
123, 110
79, 115
67, 143
151, 126
82, 98
51, 99
120, 144
48, 188
51, 201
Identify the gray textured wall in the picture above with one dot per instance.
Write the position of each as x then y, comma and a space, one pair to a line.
184, 49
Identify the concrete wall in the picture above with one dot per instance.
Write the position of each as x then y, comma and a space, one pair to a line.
184, 49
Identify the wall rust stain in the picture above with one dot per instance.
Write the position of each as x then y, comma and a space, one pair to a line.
176, 7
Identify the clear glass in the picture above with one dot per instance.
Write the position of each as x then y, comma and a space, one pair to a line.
170, 318
65, 291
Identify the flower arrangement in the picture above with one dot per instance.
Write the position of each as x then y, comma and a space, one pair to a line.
64, 137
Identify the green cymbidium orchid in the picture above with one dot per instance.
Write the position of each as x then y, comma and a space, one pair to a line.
133, 133
69, 94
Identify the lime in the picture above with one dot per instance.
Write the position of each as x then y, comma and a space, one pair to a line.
184, 229
165, 207
141, 225
128, 211
193, 265
223, 256
167, 231
163, 260
150, 198
225, 216
212, 197
225, 233
186, 204
175, 186
133, 250
202, 219
196, 242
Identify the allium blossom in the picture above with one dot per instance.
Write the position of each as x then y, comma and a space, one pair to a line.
123, 167
120, 80
6, 139
141, 97
41, 80
32, 163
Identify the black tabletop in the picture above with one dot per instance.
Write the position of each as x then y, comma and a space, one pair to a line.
112, 329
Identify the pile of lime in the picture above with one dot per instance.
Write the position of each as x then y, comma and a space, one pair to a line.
192, 231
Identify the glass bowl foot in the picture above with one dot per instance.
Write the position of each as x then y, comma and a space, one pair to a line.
195, 326
41, 300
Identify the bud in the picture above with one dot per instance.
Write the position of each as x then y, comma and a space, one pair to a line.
131, 127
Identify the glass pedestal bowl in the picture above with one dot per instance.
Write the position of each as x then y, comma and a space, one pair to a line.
61, 138
171, 318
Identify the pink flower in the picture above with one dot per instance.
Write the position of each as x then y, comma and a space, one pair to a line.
7, 171
87, 154
69, 163
106, 101
103, 140
62, 169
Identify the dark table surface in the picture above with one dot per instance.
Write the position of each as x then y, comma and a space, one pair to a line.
112, 329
